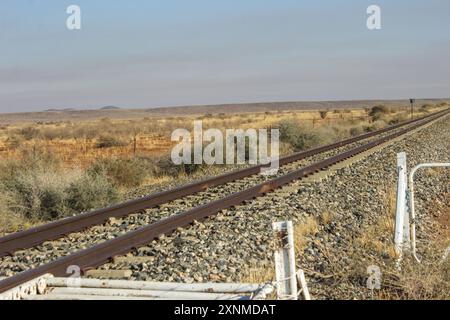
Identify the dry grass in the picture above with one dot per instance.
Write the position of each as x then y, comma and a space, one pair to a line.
372, 237
427, 281
430, 279
415, 281
264, 273
302, 230
77, 143
258, 274
82, 152
326, 218
10, 222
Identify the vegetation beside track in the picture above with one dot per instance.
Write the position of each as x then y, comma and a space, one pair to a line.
42, 179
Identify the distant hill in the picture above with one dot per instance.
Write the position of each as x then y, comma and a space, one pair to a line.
60, 110
113, 112
110, 108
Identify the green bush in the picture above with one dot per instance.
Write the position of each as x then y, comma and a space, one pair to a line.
38, 194
133, 172
376, 125
426, 108
398, 119
301, 137
40, 189
90, 192
9, 220
29, 132
165, 166
378, 111
323, 114
285, 149
124, 172
356, 131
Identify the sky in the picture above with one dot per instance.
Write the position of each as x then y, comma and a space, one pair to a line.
142, 54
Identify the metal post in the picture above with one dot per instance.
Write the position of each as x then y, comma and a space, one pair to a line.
411, 101
285, 261
401, 204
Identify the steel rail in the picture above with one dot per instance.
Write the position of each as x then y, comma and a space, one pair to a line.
105, 251
54, 230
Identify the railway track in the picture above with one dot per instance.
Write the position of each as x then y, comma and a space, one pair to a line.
212, 201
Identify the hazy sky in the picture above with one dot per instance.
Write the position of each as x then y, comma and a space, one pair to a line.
132, 53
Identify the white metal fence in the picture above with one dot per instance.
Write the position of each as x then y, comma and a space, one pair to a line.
405, 218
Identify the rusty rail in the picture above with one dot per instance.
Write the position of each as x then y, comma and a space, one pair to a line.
103, 252
54, 230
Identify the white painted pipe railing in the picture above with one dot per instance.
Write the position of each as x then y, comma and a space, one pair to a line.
412, 207
49, 288
159, 286
150, 294
287, 277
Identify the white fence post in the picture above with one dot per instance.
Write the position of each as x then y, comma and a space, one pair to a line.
285, 261
401, 214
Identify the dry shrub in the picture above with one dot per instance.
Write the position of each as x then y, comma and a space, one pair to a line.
426, 107
109, 141
356, 131
334, 133
418, 281
40, 194
29, 132
166, 167
378, 110
398, 118
38, 188
124, 172
9, 220
302, 137
376, 125
133, 172
285, 149
90, 192
323, 114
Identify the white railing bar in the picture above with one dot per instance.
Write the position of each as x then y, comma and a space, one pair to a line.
413, 214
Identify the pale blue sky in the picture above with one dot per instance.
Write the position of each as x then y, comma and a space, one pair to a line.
152, 53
